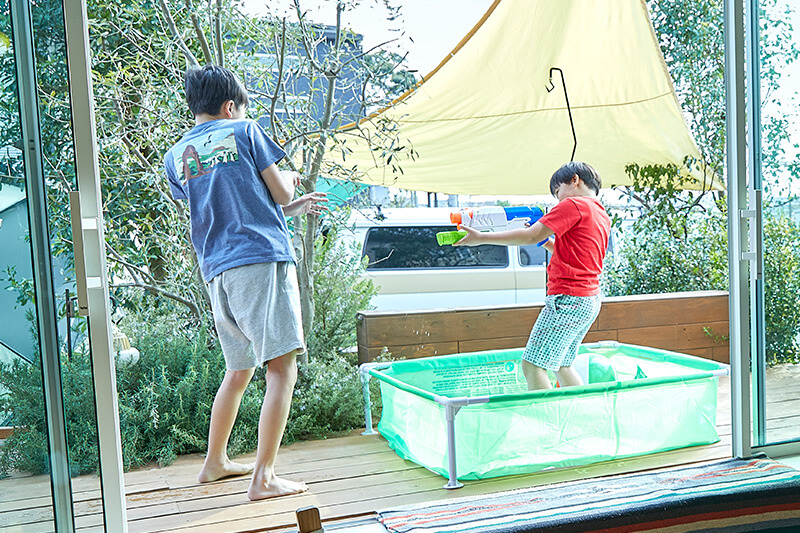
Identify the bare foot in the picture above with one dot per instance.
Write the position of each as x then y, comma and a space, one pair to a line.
228, 469
261, 490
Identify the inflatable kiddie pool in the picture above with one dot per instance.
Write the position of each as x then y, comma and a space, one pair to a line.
470, 416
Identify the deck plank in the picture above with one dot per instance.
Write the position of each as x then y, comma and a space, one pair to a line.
349, 476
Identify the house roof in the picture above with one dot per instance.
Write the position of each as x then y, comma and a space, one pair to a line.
9, 196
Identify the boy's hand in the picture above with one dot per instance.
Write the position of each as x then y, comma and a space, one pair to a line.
472, 238
311, 203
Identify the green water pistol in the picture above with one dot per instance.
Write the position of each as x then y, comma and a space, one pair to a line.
449, 237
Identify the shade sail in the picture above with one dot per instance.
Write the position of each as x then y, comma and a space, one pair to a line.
483, 121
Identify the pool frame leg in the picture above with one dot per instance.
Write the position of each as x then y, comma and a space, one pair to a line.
363, 370
450, 414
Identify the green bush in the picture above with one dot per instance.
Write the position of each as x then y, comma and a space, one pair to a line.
27, 449
692, 255
328, 400
165, 403
782, 289
339, 293
652, 259
165, 398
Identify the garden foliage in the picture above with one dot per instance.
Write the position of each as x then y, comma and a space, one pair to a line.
165, 398
678, 241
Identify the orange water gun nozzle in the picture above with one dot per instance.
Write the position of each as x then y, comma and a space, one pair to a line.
455, 218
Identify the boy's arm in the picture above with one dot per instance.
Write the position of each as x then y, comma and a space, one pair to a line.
522, 236
281, 184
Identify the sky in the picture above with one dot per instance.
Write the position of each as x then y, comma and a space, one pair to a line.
427, 29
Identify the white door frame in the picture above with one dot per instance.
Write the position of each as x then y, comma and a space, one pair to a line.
90, 258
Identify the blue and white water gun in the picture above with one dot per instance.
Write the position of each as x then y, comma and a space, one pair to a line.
491, 218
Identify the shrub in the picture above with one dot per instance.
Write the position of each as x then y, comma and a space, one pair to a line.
655, 259
781, 289
339, 293
328, 399
165, 398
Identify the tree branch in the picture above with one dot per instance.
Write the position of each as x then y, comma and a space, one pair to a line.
218, 31
176, 35
172, 296
131, 268
201, 36
274, 101
304, 36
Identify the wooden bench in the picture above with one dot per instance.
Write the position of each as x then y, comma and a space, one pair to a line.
695, 323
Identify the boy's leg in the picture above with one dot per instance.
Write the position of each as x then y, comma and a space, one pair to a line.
568, 377
585, 313
535, 376
223, 415
281, 378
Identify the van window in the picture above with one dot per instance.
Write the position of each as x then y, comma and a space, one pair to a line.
416, 247
532, 255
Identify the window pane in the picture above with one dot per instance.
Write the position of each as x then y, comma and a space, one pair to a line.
416, 247
532, 255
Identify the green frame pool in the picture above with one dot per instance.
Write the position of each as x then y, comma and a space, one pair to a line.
470, 416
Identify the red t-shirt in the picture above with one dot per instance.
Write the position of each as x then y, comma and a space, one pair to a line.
581, 226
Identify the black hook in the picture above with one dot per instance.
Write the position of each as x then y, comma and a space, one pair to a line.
569, 110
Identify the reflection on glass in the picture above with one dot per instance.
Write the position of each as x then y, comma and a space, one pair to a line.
782, 313
780, 137
416, 247
58, 154
25, 493
532, 255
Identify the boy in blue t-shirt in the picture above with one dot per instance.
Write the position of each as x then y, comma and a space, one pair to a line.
238, 200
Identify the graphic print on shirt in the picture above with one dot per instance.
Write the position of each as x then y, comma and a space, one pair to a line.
198, 156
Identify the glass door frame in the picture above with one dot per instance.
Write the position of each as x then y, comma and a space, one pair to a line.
745, 233
90, 265
42, 267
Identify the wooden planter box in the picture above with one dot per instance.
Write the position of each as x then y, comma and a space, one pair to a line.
695, 323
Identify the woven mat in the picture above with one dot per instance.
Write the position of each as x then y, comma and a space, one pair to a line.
755, 494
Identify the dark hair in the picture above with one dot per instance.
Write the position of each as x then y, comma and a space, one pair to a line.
585, 172
209, 87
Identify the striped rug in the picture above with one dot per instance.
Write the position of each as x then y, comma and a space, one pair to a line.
755, 494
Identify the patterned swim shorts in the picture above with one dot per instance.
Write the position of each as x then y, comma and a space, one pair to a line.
559, 330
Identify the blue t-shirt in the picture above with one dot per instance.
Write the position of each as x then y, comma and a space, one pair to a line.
217, 166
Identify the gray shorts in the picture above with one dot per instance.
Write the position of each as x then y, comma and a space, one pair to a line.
257, 313
559, 330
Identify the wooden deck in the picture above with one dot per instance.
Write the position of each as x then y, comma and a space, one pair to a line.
349, 477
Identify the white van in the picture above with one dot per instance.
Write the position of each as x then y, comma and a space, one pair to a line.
411, 271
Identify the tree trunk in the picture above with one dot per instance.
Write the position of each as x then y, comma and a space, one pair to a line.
305, 271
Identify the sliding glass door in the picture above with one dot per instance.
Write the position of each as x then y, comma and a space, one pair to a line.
59, 468
764, 225
775, 188
34, 460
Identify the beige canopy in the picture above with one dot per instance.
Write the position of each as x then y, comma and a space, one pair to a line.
483, 122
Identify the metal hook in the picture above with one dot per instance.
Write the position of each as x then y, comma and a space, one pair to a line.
569, 110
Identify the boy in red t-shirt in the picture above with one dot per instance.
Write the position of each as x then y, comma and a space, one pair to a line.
581, 227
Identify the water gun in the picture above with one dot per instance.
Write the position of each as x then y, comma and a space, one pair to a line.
492, 218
